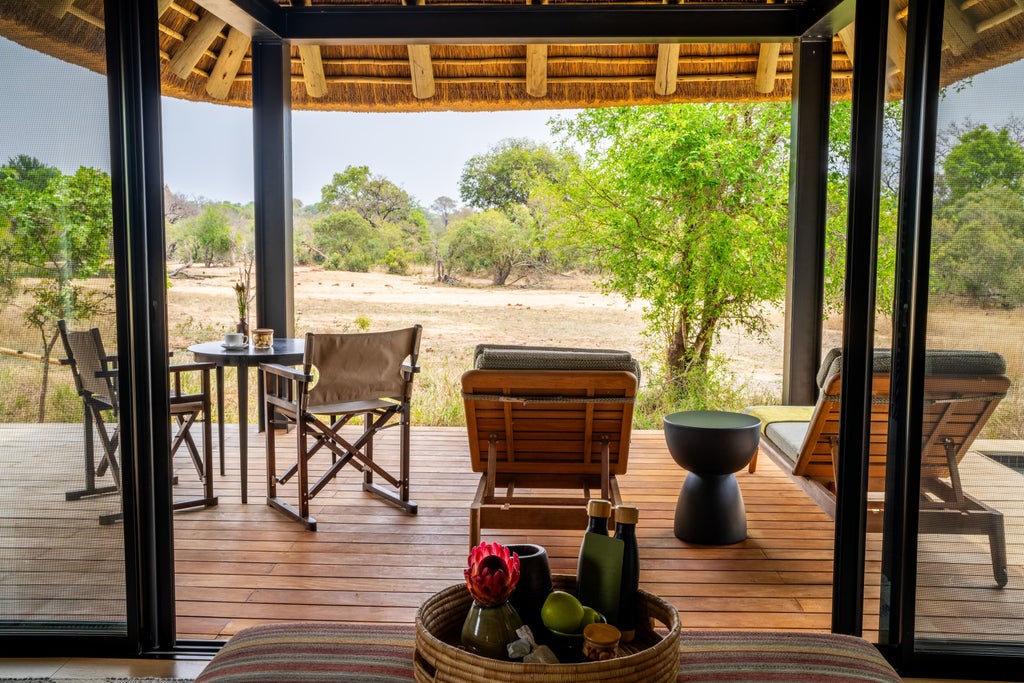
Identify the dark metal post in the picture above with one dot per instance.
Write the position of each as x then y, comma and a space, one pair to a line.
272, 156
133, 72
808, 193
859, 317
910, 314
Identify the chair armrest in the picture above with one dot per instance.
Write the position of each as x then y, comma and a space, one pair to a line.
408, 370
192, 367
285, 372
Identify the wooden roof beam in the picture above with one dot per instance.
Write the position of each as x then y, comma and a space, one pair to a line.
313, 70
537, 70
959, 32
420, 67
1003, 16
422, 72
767, 66
187, 56
846, 35
226, 68
666, 75
896, 44
57, 8
162, 6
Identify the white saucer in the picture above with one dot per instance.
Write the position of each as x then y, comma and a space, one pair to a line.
242, 347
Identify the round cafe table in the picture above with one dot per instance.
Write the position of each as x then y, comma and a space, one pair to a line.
284, 351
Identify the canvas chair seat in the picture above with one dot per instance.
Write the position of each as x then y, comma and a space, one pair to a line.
544, 422
961, 391
349, 407
344, 377
94, 374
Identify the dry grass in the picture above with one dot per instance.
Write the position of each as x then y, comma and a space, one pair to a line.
566, 311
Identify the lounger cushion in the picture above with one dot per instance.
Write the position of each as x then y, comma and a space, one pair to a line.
505, 357
788, 437
936, 362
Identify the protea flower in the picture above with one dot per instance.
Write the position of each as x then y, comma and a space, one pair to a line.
492, 573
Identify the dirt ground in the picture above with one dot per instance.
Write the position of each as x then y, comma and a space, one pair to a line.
565, 311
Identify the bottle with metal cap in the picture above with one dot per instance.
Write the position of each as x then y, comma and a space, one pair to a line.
599, 568
626, 517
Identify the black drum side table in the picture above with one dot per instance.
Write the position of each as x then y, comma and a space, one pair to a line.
712, 445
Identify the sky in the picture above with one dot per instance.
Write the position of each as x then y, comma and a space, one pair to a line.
60, 116
423, 153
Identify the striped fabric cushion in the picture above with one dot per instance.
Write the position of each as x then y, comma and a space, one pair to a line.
311, 653
760, 656
360, 653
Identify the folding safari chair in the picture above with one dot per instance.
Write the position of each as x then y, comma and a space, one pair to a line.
549, 428
343, 377
94, 376
961, 391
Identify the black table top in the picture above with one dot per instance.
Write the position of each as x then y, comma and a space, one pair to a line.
284, 351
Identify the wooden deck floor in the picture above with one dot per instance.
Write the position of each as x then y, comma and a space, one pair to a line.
239, 565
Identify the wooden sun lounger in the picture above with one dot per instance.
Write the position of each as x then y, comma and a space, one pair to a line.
562, 434
962, 389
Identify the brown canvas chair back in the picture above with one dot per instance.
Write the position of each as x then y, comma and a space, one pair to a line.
360, 367
88, 363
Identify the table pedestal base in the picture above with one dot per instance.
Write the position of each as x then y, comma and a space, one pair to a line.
710, 510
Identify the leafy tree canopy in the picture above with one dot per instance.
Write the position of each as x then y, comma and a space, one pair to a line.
494, 241
374, 197
684, 206
504, 175
982, 158
30, 172
59, 232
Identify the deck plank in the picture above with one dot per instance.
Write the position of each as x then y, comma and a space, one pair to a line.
239, 565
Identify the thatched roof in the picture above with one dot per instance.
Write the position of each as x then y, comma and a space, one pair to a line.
204, 59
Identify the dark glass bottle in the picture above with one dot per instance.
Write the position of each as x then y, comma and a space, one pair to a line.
626, 517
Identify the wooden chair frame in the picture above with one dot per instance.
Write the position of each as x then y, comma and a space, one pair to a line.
98, 392
287, 395
545, 430
956, 409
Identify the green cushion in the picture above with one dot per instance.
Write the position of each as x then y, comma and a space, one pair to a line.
936, 362
506, 357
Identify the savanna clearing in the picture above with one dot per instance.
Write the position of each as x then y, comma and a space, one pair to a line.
562, 311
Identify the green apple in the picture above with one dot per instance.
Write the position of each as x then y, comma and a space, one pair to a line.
590, 616
562, 612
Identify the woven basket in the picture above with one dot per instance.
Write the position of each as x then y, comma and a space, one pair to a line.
653, 657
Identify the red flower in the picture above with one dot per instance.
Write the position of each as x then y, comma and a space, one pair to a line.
492, 574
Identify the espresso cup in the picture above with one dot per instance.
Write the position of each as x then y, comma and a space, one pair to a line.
263, 338
235, 339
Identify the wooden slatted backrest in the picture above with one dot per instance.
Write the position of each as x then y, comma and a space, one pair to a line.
557, 423
955, 410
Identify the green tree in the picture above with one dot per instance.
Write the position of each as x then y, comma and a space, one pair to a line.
444, 207
60, 234
347, 241
505, 174
31, 173
489, 241
684, 207
983, 157
374, 197
211, 236
978, 247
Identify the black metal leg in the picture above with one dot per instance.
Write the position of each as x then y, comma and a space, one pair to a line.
220, 414
243, 429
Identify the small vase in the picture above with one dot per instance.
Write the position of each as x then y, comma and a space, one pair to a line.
487, 631
242, 326
534, 584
